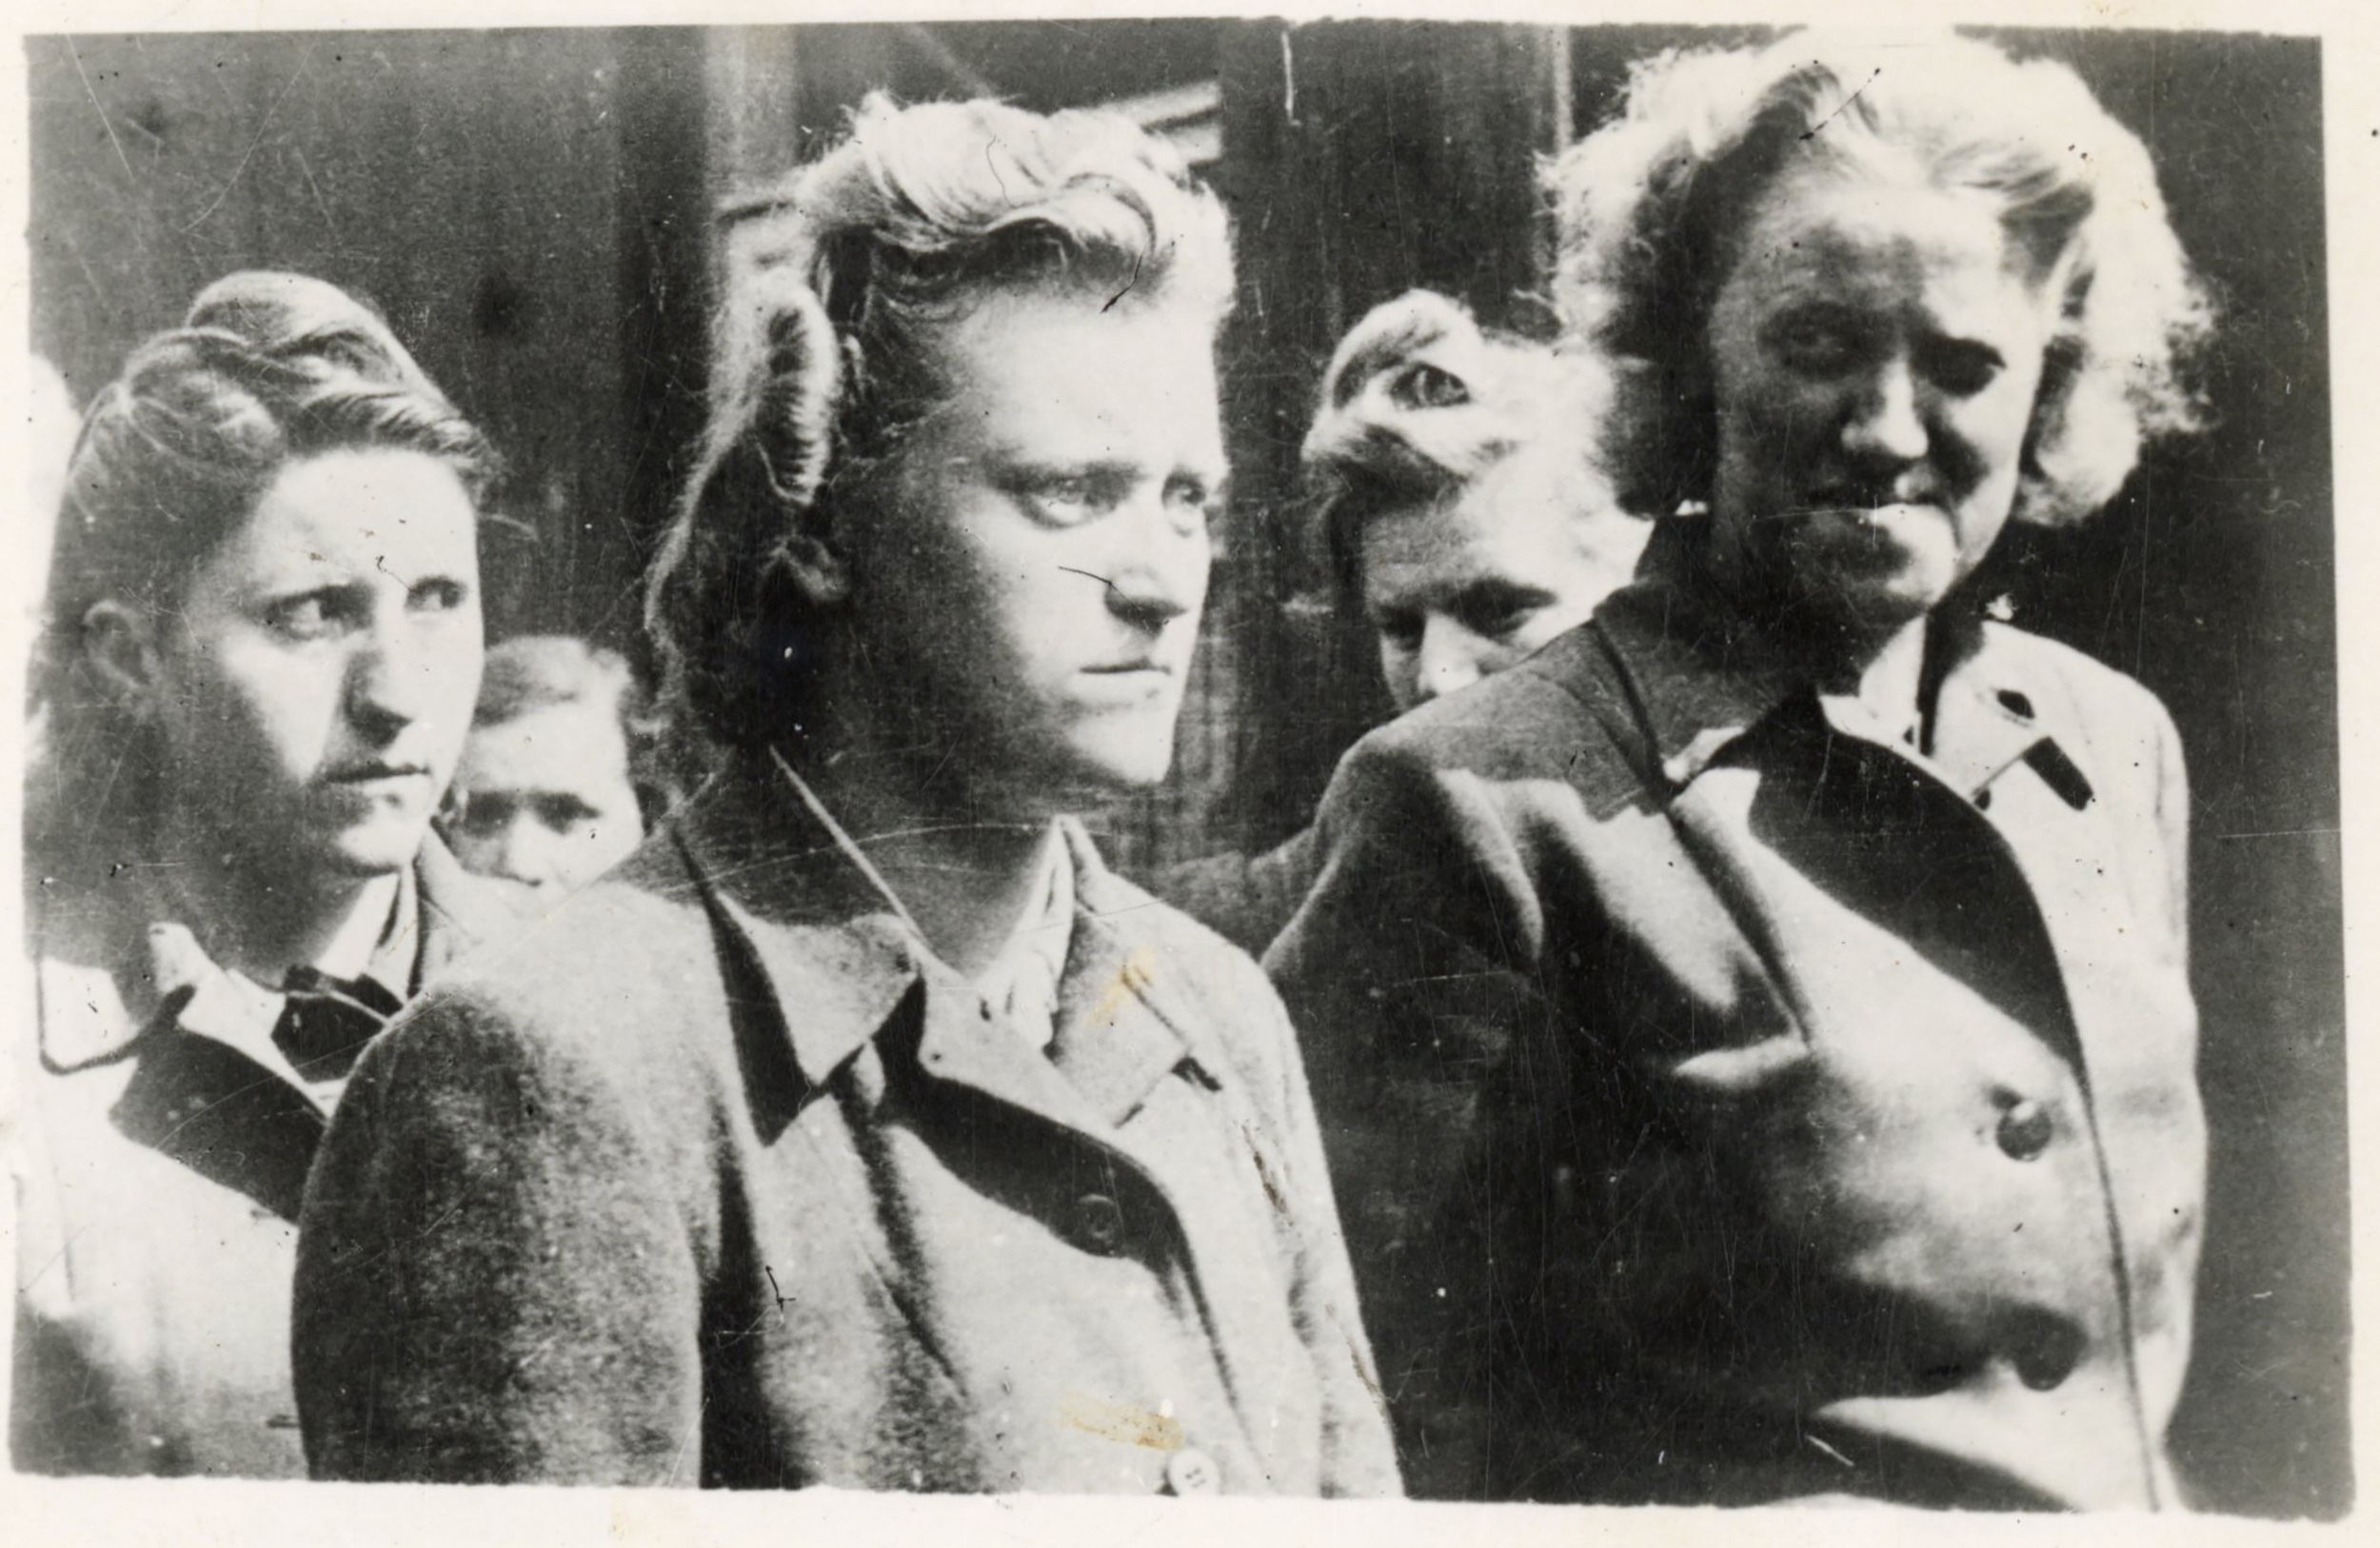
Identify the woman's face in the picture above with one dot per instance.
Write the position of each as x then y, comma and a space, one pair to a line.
1026, 592
315, 685
1874, 359
1460, 589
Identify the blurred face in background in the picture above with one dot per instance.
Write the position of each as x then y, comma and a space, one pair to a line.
1462, 588
313, 688
1026, 591
545, 795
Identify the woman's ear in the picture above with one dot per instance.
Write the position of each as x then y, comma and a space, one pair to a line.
120, 644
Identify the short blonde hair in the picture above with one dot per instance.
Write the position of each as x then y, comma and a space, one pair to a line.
827, 350
1652, 206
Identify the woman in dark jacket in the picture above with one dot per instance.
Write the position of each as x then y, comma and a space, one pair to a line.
1755, 1033
262, 646
1462, 517
863, 1129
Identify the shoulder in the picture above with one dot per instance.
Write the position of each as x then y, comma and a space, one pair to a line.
605, 988
1535, 717
1207, 977
1549, 741
2077, 697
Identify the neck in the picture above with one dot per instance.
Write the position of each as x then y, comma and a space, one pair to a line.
965, 878
1885, 683
262, 921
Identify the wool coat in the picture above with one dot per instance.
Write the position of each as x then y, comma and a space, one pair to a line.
1245, 899
1729, 1106
159, 1164
720, 1178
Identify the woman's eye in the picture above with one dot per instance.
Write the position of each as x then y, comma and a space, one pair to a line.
1963, 369
1193, 501
311, 617
1402, 633
438, 596
1815, 343
1064, 501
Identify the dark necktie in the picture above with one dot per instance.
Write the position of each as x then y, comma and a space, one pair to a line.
327, 1021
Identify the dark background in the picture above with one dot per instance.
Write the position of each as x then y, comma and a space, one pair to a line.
535, 213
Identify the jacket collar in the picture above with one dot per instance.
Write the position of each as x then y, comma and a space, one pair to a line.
1698, 674
841, 964
94, 947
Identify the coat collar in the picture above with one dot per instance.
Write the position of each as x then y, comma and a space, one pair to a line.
1698, 674
94, 947
840, 966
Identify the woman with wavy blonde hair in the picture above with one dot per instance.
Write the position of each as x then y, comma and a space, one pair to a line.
1788, 970
262, 642
863, 1129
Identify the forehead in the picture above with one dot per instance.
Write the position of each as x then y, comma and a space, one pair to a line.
1066, 370
574, 747
1865, 236
405, 512
1510, 524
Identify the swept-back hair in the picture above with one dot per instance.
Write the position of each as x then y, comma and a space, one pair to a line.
1418, 400
1652, 209
175, 453
826, 352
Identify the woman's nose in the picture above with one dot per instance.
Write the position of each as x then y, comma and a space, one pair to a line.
529, 851
388, 679
1448, 660
1160, 569
1887, 423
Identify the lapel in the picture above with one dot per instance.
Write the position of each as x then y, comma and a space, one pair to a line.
810, 942
1123, 1025
1920, 844
207, 1104
209, 1088
1697, 676
819, 967
820, 955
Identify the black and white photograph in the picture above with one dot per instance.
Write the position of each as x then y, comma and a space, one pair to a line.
1592, 756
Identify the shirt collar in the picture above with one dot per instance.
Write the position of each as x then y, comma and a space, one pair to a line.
839, 963
1698, 673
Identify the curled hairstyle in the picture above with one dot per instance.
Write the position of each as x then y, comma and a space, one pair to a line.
825, 350
1653, 207
1418, 401
175, 453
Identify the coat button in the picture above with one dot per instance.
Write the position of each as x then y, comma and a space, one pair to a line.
2025, 1130
1099, 1221
2047, 1351
1191, 1471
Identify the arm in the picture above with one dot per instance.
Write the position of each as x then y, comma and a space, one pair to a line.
491, 1282
1358, 1456
1411, 975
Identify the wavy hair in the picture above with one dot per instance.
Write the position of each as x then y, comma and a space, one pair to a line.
268, 369
1418, 400
1652, 207
826, 351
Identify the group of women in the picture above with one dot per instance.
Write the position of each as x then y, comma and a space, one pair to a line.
1741, 1052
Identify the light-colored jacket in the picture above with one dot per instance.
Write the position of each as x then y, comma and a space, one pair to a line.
158, 1169
718, 1178
1728, 1106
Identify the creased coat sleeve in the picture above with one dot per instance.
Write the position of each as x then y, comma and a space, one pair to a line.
492, 1284
1407, 973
